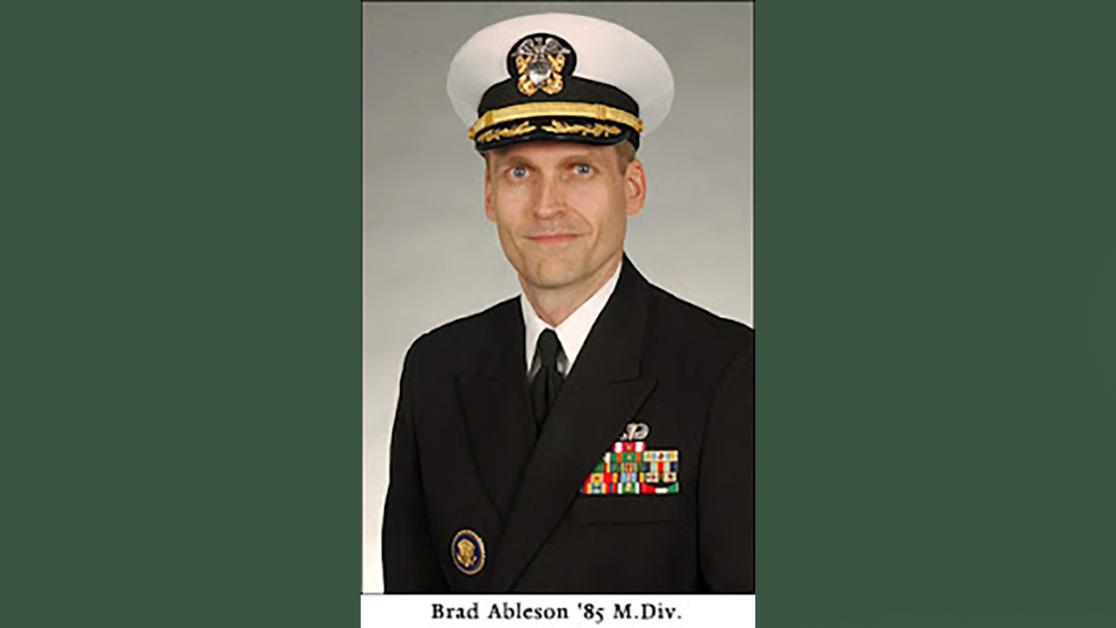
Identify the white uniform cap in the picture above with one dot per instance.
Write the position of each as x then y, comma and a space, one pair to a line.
603, 63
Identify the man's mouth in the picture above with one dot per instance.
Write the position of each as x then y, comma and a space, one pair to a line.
553, 238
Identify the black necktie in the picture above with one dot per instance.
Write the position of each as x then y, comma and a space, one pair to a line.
544, 388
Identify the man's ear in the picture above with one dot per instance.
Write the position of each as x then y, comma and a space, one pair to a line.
635, 187
488, 211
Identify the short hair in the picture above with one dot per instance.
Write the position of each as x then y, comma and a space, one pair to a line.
626, 151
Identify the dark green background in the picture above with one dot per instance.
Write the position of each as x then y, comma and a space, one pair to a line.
937, 384
936, 298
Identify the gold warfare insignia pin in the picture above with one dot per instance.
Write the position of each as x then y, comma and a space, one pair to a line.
636, 431
467, 551
539, 63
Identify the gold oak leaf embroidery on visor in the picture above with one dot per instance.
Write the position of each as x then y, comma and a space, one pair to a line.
537, 110
492, 135
597, 130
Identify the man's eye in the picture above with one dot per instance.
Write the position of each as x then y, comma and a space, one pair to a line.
583, 169
518, 172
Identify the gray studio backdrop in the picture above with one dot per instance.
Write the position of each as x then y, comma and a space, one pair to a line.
430, 256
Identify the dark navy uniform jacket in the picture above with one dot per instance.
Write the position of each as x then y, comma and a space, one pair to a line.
465, 455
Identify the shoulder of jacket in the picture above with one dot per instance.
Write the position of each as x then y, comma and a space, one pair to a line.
695, 324
478, 329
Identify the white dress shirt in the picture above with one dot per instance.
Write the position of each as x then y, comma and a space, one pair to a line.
571, 332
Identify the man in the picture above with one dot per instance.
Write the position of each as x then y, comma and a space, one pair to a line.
595, 433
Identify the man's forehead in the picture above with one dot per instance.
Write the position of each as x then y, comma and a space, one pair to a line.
551, 150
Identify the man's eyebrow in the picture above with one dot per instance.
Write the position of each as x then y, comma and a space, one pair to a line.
586, 157
515, 159
503, 160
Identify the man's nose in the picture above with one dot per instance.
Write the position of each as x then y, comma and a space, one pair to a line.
551, 199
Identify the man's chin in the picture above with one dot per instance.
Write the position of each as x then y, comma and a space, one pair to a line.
552, 276
550, 282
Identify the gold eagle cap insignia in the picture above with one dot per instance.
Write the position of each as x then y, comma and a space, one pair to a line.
539, 62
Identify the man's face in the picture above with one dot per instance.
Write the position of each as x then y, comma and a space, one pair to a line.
561, 209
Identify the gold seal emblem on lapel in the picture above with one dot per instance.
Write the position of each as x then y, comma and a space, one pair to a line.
467, 551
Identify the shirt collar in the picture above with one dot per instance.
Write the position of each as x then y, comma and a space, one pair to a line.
573, 331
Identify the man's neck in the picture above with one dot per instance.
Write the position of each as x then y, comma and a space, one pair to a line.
556, 305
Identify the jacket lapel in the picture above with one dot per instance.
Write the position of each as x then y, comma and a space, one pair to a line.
500, 427
600, 395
